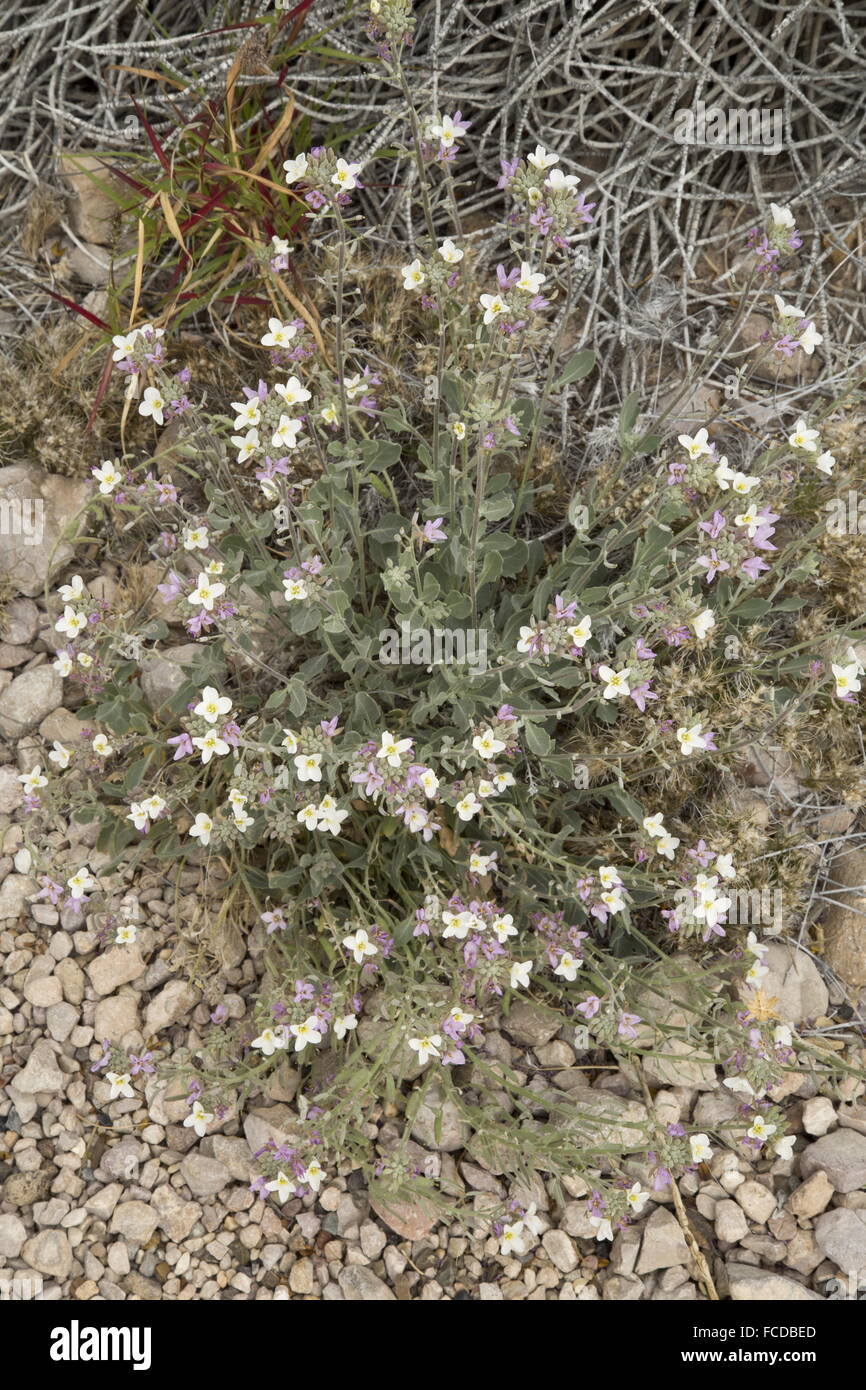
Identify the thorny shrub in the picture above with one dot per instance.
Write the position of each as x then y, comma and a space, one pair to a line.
462, 771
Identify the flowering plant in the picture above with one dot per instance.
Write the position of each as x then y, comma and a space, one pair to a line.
434, 854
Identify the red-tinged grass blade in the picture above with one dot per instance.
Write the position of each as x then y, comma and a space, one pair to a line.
127, 178
216, 201
298, 14
78, 309
100, 390
152, 137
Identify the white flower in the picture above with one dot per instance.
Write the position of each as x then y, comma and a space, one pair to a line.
541, 159
519, 977
493, 305
285, 436
429, 782
482, 863
119, 1083
450, 253
123, 344
447, 131
279, 334
608, 876
195, 538
760, 1129
343, 1025
198, 1119
782, 1035
703, 622
742, 484
460, 1018
268, 1042
458, 429
653, 824
295, 168
754, 946
154, 806
426, 1047
109, 477
309, 767
810, 338
616, 682
212, 705
292, 392
205, 593
246, 444
613, 900
803, 437
392, 749
787, 311
487, 745
344, 175
782, 216
558, 182
330, 817
201, 828
101, 746
503, 780
416, 819
691, 739
309, 817
68, 593
80, 883
755, 974
636, 1198
138, 816
306, 1033
60, 755
247, 413
63, 665
784, 1147
603, 1228
581, 632
724, 865
568, 966
695, 446
413, 274
242, 819
511, 1240
725, 475
290, 741
846, 678
294, 590
153, 405
360, 945
282, 1187
529, 280
314, 1175
210, 744
459, 924
126, 934
503, 927
468, 806
740, 1085
825, 463
700, 1147
71, 623
666, 844
33, 780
